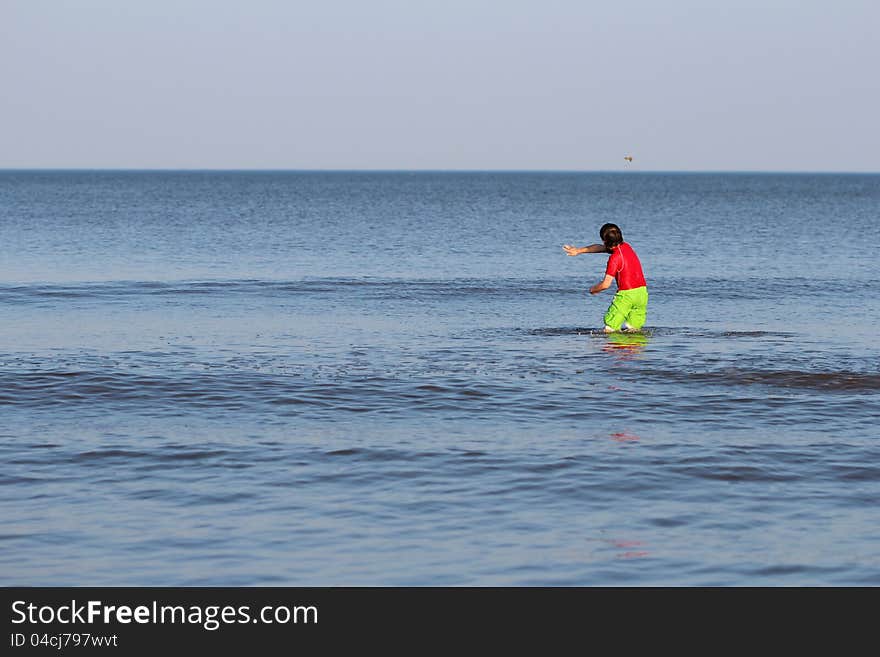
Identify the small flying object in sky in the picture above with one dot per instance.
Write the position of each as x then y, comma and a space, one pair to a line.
628, 158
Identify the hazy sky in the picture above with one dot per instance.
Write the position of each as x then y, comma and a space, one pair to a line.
445, 84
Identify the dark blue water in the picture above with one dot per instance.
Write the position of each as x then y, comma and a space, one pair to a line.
398, 378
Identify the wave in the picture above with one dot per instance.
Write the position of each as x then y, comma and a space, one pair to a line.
656, 331
515, 396
364, 287
237, 390
843, 381
395, 288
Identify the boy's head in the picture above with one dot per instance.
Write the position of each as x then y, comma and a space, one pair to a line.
610, 235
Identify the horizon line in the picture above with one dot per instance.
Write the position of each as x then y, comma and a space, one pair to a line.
433, 170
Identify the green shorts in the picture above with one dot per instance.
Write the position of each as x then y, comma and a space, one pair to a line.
630, 306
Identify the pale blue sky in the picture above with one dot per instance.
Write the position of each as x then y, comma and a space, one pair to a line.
453, 84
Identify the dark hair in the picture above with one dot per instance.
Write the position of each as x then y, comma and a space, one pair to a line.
610, 235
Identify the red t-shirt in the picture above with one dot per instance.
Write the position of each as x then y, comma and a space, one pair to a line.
624, 265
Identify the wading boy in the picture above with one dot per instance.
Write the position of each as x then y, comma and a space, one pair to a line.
628, 309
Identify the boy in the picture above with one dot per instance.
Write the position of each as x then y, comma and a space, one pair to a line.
629, 307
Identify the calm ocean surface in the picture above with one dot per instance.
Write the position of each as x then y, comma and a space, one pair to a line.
260, 378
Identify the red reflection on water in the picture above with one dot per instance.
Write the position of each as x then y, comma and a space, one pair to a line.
632, 555
629, 554
623, 437
625, 544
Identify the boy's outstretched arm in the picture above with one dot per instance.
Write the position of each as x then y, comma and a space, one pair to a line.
574, 250
604, 285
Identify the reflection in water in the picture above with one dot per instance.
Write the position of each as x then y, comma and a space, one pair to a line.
626, 548
623, 437
625, 345
628, 553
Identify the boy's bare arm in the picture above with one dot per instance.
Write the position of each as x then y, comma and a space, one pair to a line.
604, 285
574, 250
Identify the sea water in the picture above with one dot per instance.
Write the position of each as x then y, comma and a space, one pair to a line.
397, 378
